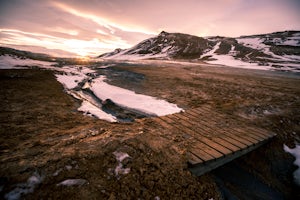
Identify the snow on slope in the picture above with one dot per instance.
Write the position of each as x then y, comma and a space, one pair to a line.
124, 56
10, 62
229, 60
254, 43
266, 42
69, 81
133, 53
164, 46
274, 51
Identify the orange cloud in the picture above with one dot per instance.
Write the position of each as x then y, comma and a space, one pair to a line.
80, 47
109, 24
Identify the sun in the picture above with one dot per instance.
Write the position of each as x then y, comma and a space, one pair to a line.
81, 53
79, 47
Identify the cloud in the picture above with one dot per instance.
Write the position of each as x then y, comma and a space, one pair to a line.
45, 24
76, 46
96, 26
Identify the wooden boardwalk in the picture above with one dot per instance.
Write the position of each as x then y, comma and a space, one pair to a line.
218, 138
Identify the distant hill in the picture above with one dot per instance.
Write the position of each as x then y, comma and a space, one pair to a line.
279, 49
39, 56
24, 54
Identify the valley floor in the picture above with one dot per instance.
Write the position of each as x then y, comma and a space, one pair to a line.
47, 144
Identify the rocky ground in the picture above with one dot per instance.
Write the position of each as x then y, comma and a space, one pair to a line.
45, 141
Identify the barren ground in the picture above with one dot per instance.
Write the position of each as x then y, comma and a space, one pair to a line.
42, 133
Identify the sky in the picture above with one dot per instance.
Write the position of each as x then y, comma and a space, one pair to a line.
92, 27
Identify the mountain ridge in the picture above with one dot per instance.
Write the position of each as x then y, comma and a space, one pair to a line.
277, 50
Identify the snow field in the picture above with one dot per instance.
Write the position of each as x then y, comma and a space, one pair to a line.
71, 76
129, 99
296, 153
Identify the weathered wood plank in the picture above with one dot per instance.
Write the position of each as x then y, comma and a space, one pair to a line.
202, 154
195, 112
215, 138
200, 169
194, 159
206, 109
243, 143
162, 122
208, 140
249, 131
239, 142
227, 142
201, 144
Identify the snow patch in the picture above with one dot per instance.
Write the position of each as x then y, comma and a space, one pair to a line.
296, 153
232, 62
72, 182
232, 51
229, 60
120, 156
10, 62
69, 81
130, 100
254, 43
24, 188
91, 109
124, 56
211, 52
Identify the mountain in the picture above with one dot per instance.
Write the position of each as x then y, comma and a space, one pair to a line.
21, 54
279, 50
165, 45
24, 54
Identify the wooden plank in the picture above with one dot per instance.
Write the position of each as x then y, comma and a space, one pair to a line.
200, 169
241, 142
233, 142
180, 115
201, 144
162, 123
193, 159
209, 141
227, 144
245, 127
228, 138
250, 134
194, 126
200, 138
244, 136
256, 129
202, 154
260, 132
255, 133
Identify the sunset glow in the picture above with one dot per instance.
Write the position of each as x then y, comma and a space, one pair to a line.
89, 28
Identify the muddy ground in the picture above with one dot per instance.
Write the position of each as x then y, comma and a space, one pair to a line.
42, 134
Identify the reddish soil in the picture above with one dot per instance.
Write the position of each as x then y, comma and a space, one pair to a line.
41, 132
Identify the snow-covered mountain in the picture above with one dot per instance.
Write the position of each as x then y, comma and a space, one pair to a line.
280, 50
165, 45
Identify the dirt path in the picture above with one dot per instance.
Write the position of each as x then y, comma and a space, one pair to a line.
42, 133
